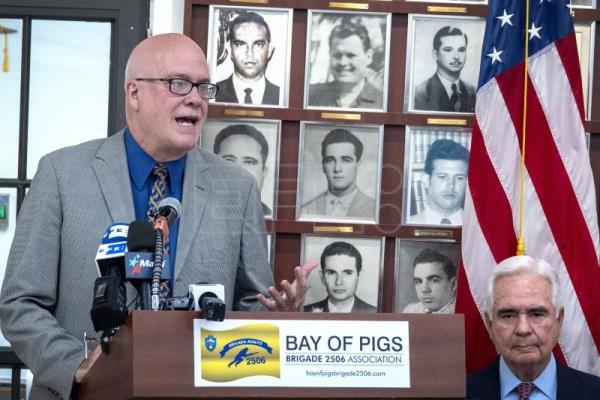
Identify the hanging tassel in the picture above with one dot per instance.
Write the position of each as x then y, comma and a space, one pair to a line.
5, 61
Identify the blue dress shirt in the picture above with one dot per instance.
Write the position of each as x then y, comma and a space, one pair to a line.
140, 168
546, 384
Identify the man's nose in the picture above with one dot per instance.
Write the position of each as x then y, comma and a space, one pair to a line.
426, 288
523, 326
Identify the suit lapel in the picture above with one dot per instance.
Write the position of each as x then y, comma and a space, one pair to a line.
112, 172
567, 387
196, 192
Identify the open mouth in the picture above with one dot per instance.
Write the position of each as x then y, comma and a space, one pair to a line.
186, 121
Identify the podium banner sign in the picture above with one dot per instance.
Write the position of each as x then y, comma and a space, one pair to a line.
307, 353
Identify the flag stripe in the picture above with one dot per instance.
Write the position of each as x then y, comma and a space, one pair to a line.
556, 195
567, 49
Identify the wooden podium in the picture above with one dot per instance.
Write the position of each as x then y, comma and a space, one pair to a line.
152, 357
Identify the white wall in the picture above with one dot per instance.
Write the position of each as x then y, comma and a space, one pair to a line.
166, 16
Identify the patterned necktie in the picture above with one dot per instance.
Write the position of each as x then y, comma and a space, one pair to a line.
159, 189
524, 389
455, 99
247, 98
160, 173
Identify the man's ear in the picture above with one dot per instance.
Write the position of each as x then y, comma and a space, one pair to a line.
561, 316
322, 276
131, 94
488, 323
271, 51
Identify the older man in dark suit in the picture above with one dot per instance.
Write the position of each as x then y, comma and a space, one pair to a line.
524, 320
445, 91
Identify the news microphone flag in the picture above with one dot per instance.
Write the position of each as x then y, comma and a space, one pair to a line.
560, 224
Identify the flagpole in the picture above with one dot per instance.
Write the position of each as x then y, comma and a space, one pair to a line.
520, 240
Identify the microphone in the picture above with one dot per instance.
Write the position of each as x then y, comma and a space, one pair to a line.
169, 209
109, 306
139, 260
209, 299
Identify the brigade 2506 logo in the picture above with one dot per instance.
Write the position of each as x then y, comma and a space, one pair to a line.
248, 350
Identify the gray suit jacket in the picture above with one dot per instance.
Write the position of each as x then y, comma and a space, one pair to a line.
76, 194
362, 206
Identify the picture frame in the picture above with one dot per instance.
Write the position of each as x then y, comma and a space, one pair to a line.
424, 198
583, 3
247, 151
369, 286
352, 75
424, 90
585, 32
452, 1
405, 294
276, 55
320, 184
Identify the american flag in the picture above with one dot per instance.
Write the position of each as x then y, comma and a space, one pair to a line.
560, 223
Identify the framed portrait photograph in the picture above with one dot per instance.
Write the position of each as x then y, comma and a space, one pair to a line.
425, 276
253, 145
249, 53
452, 1
271, 247
583, 3
584, 36
348, 277
436, 162
347, 58
442, 63
339, 172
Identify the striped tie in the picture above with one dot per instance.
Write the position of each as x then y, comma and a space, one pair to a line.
160, 173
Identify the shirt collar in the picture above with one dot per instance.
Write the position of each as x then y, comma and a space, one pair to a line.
140, 164
344, 200
334, 308
435, 217
546, 382
258, 88
448, 85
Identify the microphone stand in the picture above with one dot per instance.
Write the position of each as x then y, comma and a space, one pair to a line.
161, 237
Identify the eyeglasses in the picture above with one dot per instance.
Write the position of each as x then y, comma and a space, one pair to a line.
183, 87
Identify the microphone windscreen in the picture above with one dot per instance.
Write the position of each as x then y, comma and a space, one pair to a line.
141, 236
172, 203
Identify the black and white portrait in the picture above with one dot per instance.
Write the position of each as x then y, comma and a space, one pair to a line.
249, 53
442, 61
426, 274
339, 172
348, 277
583, 3
584, 34
346, 60
453, 1
436, 163
251, 144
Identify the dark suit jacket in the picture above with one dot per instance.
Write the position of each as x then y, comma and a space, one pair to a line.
431, 96
571, 384
76, 194
323, 306
326, 95
226, 93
